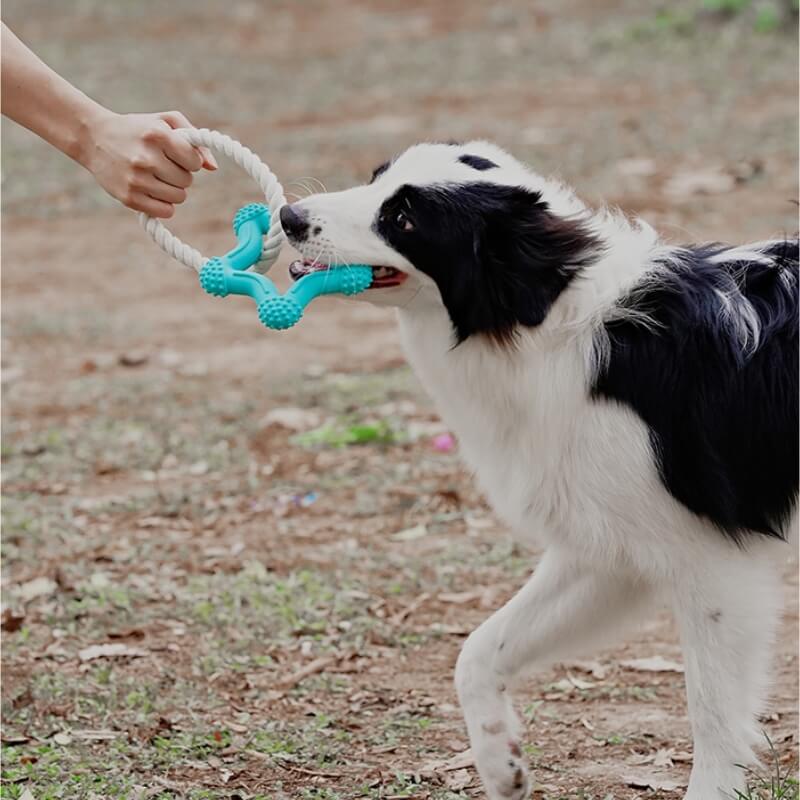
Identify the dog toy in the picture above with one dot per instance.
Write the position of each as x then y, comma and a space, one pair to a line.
241, 270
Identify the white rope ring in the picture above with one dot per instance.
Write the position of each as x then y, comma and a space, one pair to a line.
257, 170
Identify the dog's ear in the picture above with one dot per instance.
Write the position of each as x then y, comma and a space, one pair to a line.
522, 257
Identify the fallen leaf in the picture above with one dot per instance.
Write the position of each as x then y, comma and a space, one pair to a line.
127, 633
578, 683
458, 780
653, 782
14, 740
236, 727
27, 795
38, 587
96, 735
116, 650
133, 358
652, 664
450, 630
459, 761
594, 668
293, 419
11, 621
397, 618
459, 598
411, 534
663, 758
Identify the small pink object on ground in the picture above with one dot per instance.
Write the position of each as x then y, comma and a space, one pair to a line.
444, 442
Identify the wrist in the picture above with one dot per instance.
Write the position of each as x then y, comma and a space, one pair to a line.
83, 136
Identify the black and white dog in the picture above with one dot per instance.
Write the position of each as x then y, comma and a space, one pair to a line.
629, 406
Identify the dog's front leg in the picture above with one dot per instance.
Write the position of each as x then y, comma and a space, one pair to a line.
563, 609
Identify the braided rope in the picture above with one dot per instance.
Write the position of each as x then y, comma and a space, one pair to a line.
257, 170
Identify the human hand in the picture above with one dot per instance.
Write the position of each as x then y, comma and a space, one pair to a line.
141, 161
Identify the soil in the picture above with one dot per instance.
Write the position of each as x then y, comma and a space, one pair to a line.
287, 604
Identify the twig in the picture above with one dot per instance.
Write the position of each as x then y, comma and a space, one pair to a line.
401, 615
312, 668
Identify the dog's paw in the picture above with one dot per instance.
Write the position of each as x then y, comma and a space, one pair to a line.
502, 769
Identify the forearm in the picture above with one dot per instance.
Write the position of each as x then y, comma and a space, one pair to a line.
41, 100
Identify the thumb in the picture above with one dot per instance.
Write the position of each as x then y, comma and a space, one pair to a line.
177, 120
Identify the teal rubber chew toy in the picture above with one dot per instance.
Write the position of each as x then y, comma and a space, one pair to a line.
221, 276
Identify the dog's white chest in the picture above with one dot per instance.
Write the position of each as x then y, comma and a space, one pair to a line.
508, 416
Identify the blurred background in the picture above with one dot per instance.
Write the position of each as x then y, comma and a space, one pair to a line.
268, 535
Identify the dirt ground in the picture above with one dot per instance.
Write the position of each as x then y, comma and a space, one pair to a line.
240, 564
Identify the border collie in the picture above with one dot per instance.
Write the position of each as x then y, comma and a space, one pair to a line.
630, 407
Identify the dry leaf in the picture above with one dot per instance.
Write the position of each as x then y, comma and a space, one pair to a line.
663, 758
293, 419
115, 650
38, 587
594, 668
653, 782
652, 664
578, 683
410, 534
457, 762
14, 740
11, 621
96, 735
459, 779
134, 358
460, 598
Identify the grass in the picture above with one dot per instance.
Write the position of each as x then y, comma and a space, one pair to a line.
237, 625
687, 19
774, 781
171, 521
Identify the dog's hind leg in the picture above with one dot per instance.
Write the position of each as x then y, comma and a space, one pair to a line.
564, 609
727, 615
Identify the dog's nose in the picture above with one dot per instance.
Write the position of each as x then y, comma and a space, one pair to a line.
294, 222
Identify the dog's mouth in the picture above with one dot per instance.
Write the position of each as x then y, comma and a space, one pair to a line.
382, 277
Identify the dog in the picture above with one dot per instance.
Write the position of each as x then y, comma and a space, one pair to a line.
628, 406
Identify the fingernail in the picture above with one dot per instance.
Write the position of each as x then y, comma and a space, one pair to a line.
212, 161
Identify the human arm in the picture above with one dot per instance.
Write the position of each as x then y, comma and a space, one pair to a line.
137, 158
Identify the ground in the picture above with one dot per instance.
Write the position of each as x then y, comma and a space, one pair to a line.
240, 564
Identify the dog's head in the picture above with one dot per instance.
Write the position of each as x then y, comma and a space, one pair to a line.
464, 226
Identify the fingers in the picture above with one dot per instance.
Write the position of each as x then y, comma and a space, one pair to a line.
139, 201
159, 190
177, 120
170, 172
177, 149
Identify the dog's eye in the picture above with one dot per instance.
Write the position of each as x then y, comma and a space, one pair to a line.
403, 222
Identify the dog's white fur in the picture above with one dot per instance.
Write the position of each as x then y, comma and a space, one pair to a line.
577, 477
